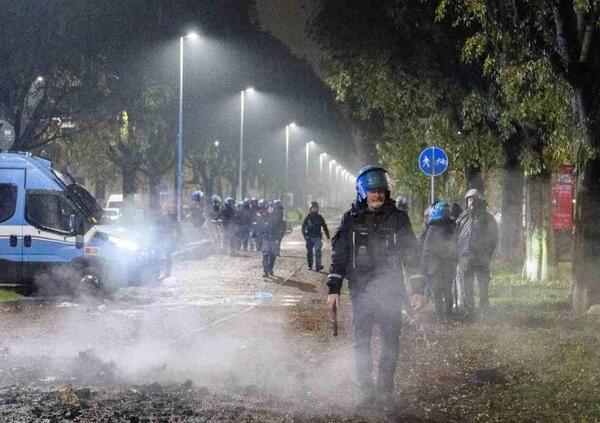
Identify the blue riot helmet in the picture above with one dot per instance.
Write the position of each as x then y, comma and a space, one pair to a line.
246, 202
439, 211
262, 204
372, 178
197, 196
278, 204
215, 199
230, 202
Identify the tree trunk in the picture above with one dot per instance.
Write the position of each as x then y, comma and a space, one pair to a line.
100, 191
364, 147
586, 253
511, 248
540, 263
154, 192
475, 178
129, 174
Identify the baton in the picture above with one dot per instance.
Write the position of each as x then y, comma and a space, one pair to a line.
334, 320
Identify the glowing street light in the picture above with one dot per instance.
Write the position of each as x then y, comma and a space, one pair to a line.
241, 164
192, 36
308, 144
287, 154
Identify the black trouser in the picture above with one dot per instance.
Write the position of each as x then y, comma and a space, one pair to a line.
313, 248
245, 239
268, 255
368, 312
441, 285
468, 269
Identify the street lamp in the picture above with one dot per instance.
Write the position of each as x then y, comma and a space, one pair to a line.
308, 144
322, 182
287, 154
241, 165
192, 36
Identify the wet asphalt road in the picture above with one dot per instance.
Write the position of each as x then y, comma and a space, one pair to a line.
215, 321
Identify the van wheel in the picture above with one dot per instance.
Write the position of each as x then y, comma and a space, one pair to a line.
89, 282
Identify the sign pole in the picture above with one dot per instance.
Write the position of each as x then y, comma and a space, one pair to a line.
432, 176
432, 166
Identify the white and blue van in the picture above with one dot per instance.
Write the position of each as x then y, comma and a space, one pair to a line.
50, 225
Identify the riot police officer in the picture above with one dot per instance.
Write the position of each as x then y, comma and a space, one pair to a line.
198, 209
268, 234
226, 216
313, 228
440, 257
282, 225
246, 224
374, 241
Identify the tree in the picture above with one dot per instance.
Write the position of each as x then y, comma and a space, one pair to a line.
210, 161
152, 111
563, 34
53, 65
401, 71
126, 149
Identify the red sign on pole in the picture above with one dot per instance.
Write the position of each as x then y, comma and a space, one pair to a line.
562, 198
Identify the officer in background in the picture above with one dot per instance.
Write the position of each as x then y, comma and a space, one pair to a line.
268, 234
253, 218
198, 209
440, 256
170, 232
226, 215
246, 223
214, 226
477, 241
313, 228
282, 225
374, 242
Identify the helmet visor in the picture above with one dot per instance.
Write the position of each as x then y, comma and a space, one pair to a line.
373, 180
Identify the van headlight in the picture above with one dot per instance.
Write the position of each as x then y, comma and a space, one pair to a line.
124, 244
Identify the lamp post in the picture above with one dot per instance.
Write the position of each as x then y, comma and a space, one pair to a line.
307, 170
322, 182
191, 35
287, 155
241, 164
331, 183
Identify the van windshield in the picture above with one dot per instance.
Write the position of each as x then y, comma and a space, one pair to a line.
86, 201
82, 198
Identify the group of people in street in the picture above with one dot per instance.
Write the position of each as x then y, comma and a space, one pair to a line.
248, 225
456, 247
377, 252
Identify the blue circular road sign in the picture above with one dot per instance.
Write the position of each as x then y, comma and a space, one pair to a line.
433, 161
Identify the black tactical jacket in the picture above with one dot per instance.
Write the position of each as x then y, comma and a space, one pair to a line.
373, 248
267, 226
314, 225
440, 248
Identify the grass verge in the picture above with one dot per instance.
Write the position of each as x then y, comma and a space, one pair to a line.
8, 295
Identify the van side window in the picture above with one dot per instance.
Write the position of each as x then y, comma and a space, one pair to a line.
48, 210
8, 201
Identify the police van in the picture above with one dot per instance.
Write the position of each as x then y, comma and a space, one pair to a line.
50, 230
